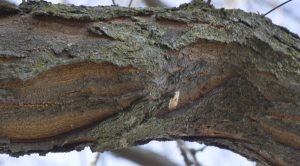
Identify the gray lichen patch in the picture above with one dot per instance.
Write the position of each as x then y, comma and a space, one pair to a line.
134, 46
10, 54
202, 32
122, 32
82, 13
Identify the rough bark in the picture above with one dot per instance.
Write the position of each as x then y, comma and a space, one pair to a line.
113, 77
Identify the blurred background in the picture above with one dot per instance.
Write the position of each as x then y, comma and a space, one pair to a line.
172, 152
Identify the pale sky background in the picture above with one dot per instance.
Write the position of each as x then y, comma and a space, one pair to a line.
211, 156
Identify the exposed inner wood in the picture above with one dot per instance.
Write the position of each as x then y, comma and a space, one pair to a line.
56, 101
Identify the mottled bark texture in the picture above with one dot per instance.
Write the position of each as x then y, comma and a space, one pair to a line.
113, 77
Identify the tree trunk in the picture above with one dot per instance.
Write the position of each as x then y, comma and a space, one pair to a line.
114, 77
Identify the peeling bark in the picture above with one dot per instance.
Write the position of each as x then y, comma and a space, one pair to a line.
114, 77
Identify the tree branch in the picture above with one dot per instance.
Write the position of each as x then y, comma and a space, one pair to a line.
104, 77
97, 158
143, 157
188, 155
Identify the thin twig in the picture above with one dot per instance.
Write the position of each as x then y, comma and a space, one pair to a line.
130, 3
277, 7
288, 12
189, 155
184, 152
114, 3
97, 157
143, 157
199, 150
194, 151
